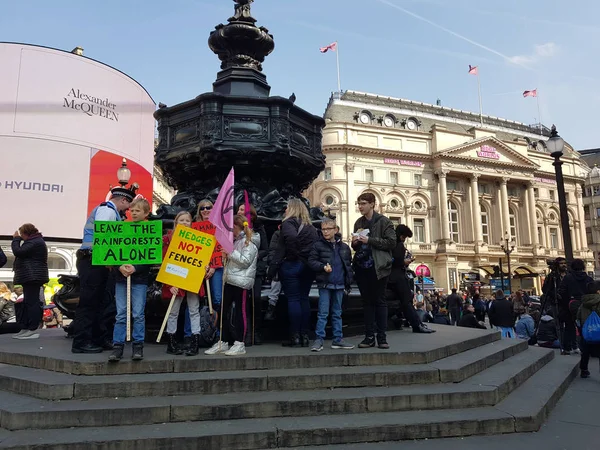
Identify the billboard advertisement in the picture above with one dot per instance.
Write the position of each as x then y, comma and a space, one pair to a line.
66, 123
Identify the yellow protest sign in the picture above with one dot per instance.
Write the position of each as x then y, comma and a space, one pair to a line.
184, 264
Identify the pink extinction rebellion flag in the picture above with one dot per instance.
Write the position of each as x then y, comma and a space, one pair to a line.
473, 70
221, 216
332, 46
530, 93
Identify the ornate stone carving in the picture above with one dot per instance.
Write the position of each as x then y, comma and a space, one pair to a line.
349, 167
245, 128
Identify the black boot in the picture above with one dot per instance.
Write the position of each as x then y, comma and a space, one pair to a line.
186, 343
270, 314
258, 339
305, 340
294, 341
138, 351
117, 353
172, 347
194, 344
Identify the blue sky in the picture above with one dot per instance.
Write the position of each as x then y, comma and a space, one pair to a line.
414, 49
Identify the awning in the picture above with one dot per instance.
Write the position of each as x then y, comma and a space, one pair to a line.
489, 270
525, 272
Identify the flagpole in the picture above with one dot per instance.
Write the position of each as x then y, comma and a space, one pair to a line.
337, 58
537, 96
480, 105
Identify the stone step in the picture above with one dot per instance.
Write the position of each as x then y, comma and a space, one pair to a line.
20, 412
520, 411
59, 386
53, 352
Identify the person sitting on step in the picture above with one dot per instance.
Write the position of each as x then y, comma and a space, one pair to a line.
468, 319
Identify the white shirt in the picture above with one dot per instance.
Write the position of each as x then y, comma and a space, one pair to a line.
105, 213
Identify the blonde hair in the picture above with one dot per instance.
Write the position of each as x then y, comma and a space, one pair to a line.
242, 223
143, 203
205, 202
297, 209
182, 213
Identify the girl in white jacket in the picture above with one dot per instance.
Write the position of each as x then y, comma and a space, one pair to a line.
240, 270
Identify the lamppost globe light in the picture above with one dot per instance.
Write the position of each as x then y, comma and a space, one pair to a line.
123, 173
555, 144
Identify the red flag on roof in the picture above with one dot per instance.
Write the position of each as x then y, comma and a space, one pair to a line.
473, 70
530, 93
332, 46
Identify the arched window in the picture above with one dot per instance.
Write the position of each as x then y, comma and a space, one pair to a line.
512, 223
453, 221
485, 226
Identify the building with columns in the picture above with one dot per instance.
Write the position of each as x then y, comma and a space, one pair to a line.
460, 182
591, 204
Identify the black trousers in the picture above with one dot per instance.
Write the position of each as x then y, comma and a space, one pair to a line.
402, 291
455, 315
233, 319
480, 315
92, 301
375, 305
586, 350
31, 313
253, 310
567, 330
10, 327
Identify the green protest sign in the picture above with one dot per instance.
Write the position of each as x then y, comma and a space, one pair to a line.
117, 243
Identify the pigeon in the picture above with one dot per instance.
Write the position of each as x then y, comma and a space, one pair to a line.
162, 105
292, 97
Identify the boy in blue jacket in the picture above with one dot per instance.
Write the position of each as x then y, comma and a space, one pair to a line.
331, 259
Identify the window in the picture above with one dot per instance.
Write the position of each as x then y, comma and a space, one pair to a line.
554, 238
540, 236
327, 174
483, 188
453, 219
485, 227
419, 230
596, 190
451, 185
513, 226
394, 177
418, 181
395, 220
513, 191
536, 192
329, 200
56, 262
588, 235
551, 194
597, 212
368, 175
567, 198
586, 212
394, 203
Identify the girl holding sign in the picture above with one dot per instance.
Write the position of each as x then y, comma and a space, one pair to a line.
215, 273
184, 219
139, 209
240, 271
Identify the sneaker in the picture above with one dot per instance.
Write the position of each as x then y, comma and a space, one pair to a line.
16, 335
238, 348
576, 352
382, 343
117, 353
28, 334
317, 345
219, 347
367, 342
585, 374
341, 344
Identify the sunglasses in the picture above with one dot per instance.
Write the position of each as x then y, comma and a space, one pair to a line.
205, 208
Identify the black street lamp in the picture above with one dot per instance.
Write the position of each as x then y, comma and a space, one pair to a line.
556, 146
508, 246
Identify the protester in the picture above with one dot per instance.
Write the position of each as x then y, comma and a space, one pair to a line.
139, 210
215, 272
373, 240
331, 260
254, 314
468, 319
30, 271
502, 315
590, 303
275, 283
240, 273
454, 305
570, 292
89, 330
291, 259
399, 282
184, 219
441, 317
525, 328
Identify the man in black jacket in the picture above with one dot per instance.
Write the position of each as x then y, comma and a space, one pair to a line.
400, 284
502, 315
468, 320
454, 306
572, 288
373, 240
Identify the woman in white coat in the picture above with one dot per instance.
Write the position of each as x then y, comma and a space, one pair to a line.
240, 271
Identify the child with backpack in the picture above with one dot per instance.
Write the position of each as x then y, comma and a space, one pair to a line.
331, 259
588, 318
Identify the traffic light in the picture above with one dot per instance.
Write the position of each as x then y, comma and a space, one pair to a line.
496, 271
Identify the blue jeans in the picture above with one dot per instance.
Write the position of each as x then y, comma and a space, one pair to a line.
216, 287
330, 298
138, 304
296, 279
187, 323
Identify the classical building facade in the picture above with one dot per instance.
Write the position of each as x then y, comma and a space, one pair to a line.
162, 193
591, 204
460, 182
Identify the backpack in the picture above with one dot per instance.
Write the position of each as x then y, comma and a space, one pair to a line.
591, 328
208, 328
48, 315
